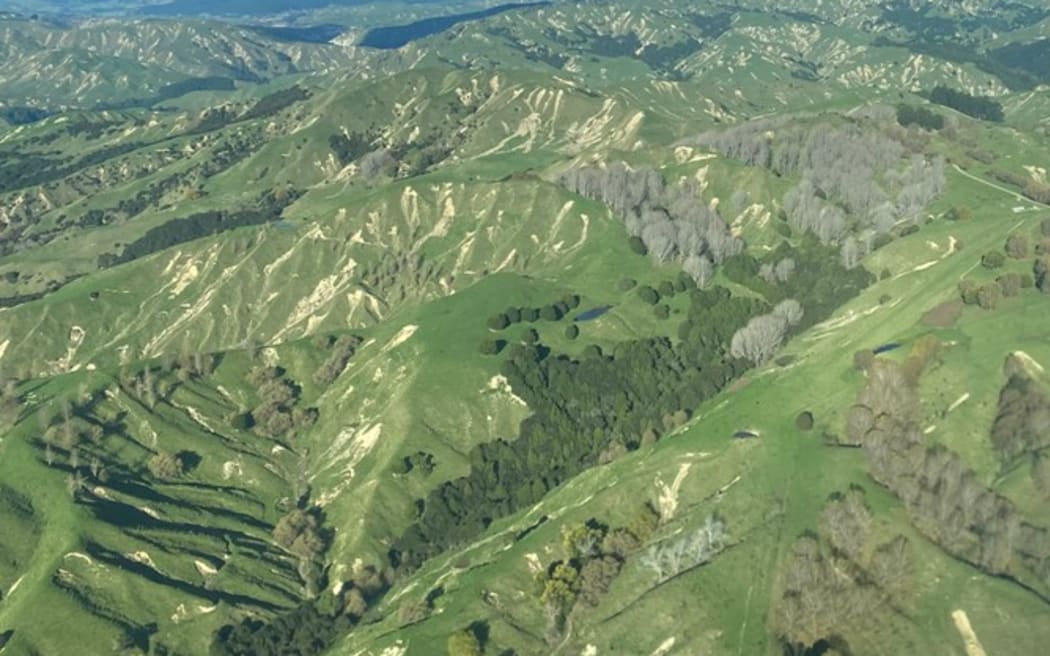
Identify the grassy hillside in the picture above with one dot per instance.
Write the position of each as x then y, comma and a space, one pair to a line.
546, 333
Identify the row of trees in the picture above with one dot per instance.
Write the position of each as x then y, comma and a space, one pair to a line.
945, 498
671, 221
1021, 430
550, 312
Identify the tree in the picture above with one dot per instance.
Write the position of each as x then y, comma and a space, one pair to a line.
1010, 284
166, 465
572, 331
863, 359
784, 269
968, 291
637, 245
463, 643
499, 321
550, 313
850, 252
989, 295
1044, 227
1017, 246
759, 339
648, 295
993, 260
492, 346
699, 269
1041, 273
530, 336
789, 310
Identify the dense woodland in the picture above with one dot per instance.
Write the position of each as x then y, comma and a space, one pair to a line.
980, 107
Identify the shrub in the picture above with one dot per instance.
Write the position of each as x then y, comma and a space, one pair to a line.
513, 314
662, 312
627, 284
666, 288
530, 336
572, 331
571, 301
1043, 247
884, 299
993, 260
531, 315
1044, 228
804, 421
648, 295
958, 213
885, 275
1027, 282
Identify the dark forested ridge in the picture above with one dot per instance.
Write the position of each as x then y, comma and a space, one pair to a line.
399, 35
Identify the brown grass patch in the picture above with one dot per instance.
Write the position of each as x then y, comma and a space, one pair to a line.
944, 315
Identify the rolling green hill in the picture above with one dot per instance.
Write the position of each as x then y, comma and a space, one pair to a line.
609, 328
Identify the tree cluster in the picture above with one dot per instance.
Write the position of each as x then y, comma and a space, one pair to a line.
595, 556
835, 586
278, 411
908, 115
335, 364
979, 107
671, 557
855, 181
669, 222
1021, 429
